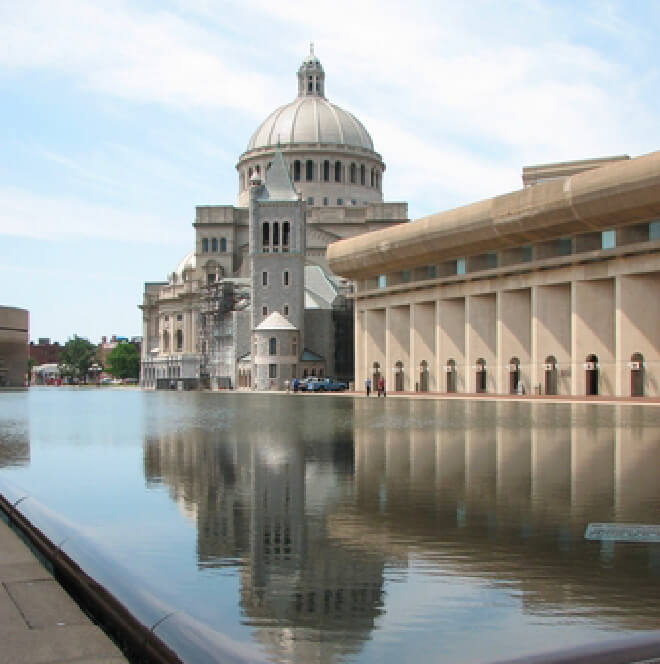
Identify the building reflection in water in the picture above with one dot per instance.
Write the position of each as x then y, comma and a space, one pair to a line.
14, 442
318, 510
262, 500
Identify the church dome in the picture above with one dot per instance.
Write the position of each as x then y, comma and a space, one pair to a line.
188, 262
311, 118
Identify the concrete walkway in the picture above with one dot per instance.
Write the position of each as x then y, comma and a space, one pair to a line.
39, 622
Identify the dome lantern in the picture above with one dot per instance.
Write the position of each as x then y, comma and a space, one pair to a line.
311, 77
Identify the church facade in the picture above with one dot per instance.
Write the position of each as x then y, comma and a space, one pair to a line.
254, 303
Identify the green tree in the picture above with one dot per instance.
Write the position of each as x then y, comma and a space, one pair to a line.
124, 361
76, 357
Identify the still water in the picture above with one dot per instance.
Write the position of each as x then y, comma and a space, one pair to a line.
319, 528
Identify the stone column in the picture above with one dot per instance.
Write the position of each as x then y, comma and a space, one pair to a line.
501, 364
534, 359
576, 364
619, 362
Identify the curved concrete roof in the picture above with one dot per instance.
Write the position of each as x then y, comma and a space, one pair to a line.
622, 193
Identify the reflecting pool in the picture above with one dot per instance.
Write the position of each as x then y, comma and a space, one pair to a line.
327, 528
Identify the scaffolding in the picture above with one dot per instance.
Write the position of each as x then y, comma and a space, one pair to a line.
216, 331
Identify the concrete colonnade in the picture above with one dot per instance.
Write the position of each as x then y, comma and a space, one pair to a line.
591, 336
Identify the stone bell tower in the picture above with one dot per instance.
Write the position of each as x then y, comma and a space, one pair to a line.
277, 267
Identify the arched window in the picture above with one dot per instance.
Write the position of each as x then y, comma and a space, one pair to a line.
258, 170
309, 170
338, 171
272, 346
326, 171
214, 244
223, 244
265, 234
179, 340
377, 180
285, 233
276, 234
353, 173
363, 175
372, 177
296, 170
205, 245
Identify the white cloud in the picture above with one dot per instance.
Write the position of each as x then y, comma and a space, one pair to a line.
465, 93
144, 57
25, 214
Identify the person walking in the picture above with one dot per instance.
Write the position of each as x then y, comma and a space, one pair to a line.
367, 386
381, 386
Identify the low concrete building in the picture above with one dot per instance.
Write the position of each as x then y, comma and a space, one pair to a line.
14, 345
553, 289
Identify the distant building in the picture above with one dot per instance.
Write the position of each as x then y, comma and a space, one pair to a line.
553, 289
106, 346
310, 175
45, 352
14, 337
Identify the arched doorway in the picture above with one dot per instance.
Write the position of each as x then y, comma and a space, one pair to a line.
482, 375
550, 369
450, 369
424, 376
637, 375
514, 375
398, 376
591, 374
375, 375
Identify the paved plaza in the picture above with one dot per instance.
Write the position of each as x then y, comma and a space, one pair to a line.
39, 622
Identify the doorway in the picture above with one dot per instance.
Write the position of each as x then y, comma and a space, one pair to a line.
514, 375
591, 375
424, 376
375, 375
637, 375
550, 368
398, 373
450, 368
481, 383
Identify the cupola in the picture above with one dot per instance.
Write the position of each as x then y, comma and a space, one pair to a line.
311, 77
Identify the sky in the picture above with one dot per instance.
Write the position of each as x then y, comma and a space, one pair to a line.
118, 118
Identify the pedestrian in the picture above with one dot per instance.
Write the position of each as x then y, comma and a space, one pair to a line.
381, 386
367, 386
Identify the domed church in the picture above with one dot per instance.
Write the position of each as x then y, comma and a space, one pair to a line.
254, 304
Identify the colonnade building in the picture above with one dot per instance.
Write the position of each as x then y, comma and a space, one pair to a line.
553, 289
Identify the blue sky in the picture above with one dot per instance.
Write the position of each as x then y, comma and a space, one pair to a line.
117, 118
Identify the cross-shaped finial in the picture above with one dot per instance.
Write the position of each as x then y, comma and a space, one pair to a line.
311, 48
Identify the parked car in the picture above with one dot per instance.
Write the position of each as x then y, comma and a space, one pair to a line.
326, 385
